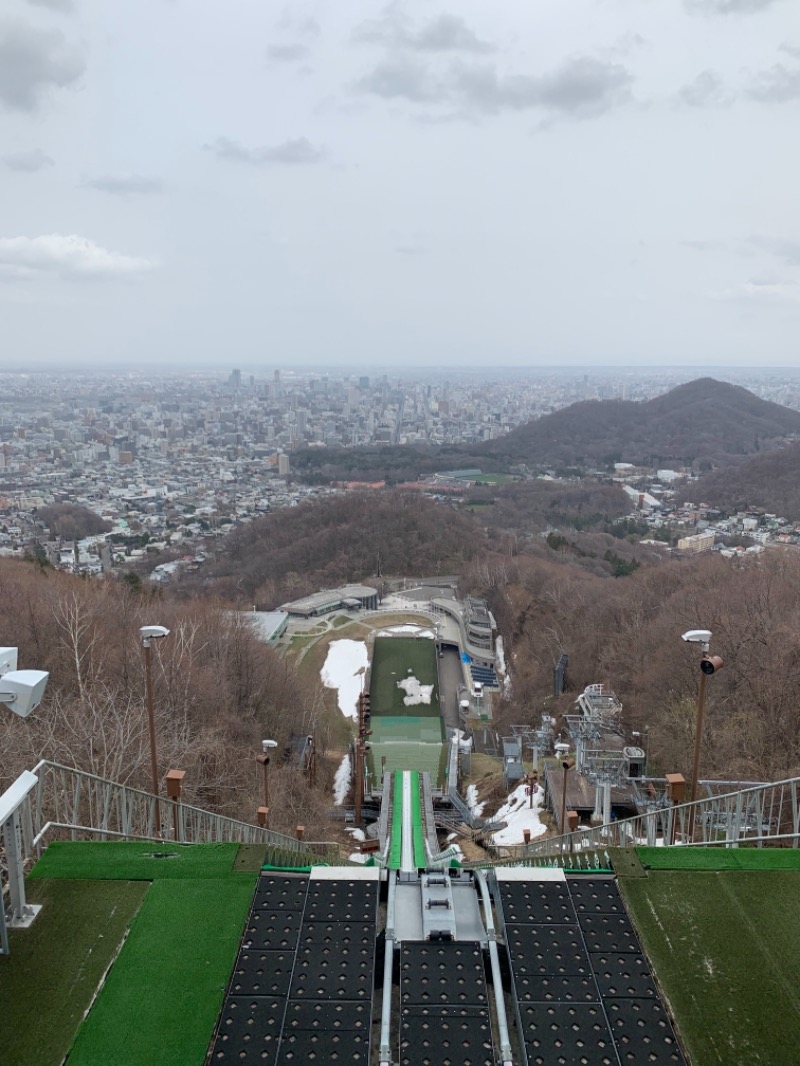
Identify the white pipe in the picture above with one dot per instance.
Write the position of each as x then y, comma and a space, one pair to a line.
388, 962
407, 864
497, 981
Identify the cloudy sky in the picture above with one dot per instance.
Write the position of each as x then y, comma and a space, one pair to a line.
522, 182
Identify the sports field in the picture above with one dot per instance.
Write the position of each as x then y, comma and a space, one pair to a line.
395, 661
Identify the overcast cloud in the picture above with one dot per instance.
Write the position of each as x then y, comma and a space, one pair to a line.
415, 183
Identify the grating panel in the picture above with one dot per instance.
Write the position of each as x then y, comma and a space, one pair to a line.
565, 1034
449, 973
595, 895
608, 932
327, 1016
445, 1036
547, 951
625, 976
643, 1033
276, 892
248, 1031
310, 1046
268, 931
537, 903
261, 973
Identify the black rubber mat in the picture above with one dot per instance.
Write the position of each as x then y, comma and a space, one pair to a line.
341, 901
547, 950
445, 1036
326, 1016
278, 892
269, 931
554, 988
248, 1031
545, 903
262, 973
608, 932
567, 1034
334, 969
643, 1033
451, 974
594, 895
623, 976
317, 1048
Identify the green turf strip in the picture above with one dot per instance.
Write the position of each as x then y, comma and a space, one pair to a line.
726, 949
395, 659
162, 997
396, 842
134, 861
678, 858
420, 858
55, 966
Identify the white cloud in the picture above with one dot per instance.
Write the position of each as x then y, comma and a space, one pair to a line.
444, 33
32, 61
66, 256
64, 7
293, 152
28, 162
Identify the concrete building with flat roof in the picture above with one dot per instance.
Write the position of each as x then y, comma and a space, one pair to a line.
349, 597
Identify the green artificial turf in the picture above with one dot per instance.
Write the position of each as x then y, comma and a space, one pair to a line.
163, 995
392, 659
55, 966
250, 858
678, 858
726, 950
134, 861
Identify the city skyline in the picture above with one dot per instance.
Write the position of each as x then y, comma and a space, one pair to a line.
414, 185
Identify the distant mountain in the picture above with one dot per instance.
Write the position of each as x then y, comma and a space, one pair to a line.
704, 422
770, 482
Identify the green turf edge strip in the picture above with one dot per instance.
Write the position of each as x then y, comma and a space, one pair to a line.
48, 981
725, 947
719, 858
163, 995
396, 842
123, 860
420, 858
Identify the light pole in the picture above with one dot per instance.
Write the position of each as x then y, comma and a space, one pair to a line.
709, 664
266, 747
566, 764
148, 635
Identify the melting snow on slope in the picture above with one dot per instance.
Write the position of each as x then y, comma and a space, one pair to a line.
341, 671
341, 782
519, 815
415, 692
472, 801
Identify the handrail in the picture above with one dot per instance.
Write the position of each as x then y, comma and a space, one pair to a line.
759, 815
80, 802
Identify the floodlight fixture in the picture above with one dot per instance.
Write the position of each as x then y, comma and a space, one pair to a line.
267, 745
697, 636
22, 690
150, 632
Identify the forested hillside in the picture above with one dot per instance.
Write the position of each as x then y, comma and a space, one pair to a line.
218, 690
770, 482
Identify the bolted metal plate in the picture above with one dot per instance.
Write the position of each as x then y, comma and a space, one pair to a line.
566, 1034
334, 971
445, 1036
448, 973
537, 903
623, 976
642, 1033
261, 973
595, 895
279, 892
248, 1031
556, 989
268, 931
608, 932
304, 1046
547, 951
327, 1016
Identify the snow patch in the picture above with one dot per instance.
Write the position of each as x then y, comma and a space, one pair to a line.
342, 671
415, 691
341, 782
519, 815
472, 801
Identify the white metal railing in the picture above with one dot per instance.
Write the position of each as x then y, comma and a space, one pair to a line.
72, 804
760, 816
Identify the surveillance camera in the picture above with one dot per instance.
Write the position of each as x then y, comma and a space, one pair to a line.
153, 631
709, 664
697, 636
22, 690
